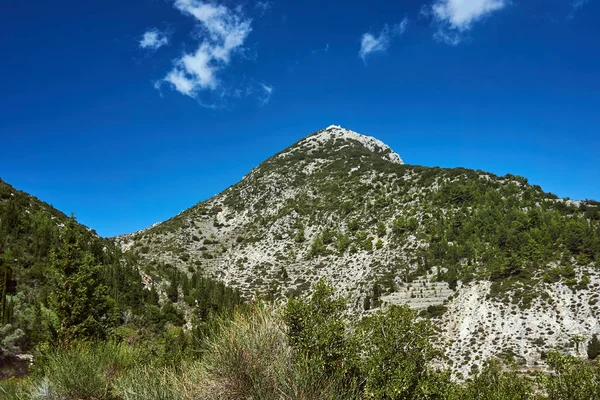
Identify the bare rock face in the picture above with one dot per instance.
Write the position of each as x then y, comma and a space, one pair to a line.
343, 206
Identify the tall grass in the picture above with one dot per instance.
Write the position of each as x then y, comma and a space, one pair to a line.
87, 370
246, 356
13, 389
84, 370
250, 358
148, 382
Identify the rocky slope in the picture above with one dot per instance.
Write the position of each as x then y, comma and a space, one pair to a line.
508, 269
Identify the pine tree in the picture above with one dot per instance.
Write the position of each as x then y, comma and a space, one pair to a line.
80, 298
593, 348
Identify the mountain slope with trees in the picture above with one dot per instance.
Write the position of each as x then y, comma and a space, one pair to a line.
60, 283
343, 206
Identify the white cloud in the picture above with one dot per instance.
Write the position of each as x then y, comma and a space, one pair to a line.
266, 95
223, 32
370, 43
577, 4
400, 28
455, 17
448, 36
180, 82
153, 39
321, 50
263, 6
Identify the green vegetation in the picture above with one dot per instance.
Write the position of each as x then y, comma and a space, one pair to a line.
60, 284
459, 224
258, 352
593, 349
98, 329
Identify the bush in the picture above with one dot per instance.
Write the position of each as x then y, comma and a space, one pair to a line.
13, 390
593, 348
493, 383
87, 370
571, 379
434, 311
317, 328
249, 358
149, 383
397, 351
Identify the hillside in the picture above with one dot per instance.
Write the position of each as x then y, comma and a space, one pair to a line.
507, 268
60, 282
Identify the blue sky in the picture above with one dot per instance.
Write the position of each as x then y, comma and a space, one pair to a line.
128, 112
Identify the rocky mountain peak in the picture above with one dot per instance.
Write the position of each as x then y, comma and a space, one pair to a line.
338, 136
502, 266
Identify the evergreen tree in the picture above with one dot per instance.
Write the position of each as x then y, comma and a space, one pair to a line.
80, 298
593, 348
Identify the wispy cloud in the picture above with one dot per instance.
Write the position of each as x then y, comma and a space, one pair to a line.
153, 39
370, 43
576, 5
324, 49
223, 32
453, 18
267, 91
263, 6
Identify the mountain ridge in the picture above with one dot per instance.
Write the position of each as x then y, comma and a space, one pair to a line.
506, 269
383, 232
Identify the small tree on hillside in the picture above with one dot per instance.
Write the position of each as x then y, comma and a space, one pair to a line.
593, 348
397, 353
80, 297
317, 328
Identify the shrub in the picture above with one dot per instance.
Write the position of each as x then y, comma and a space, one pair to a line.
249, 358
571, 379
149, 383
13, 390
317, 248
317, 328
87, 370
396, 353
299, 238
493, 383
593, 348
434, 311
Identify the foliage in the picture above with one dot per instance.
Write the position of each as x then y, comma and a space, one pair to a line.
496, 383
80, 297
593, 348
572, 379
317, 329
60, 282
396, 353
248, 355
236, 365
86, 370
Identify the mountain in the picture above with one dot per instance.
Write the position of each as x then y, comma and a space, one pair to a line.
60, 282
507, 268
29, 230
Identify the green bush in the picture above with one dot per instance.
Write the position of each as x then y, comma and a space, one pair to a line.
147, 382
593, 348
494, 383
396, 353
316, 328
13, 389
249, 358
571, 378
87, 370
